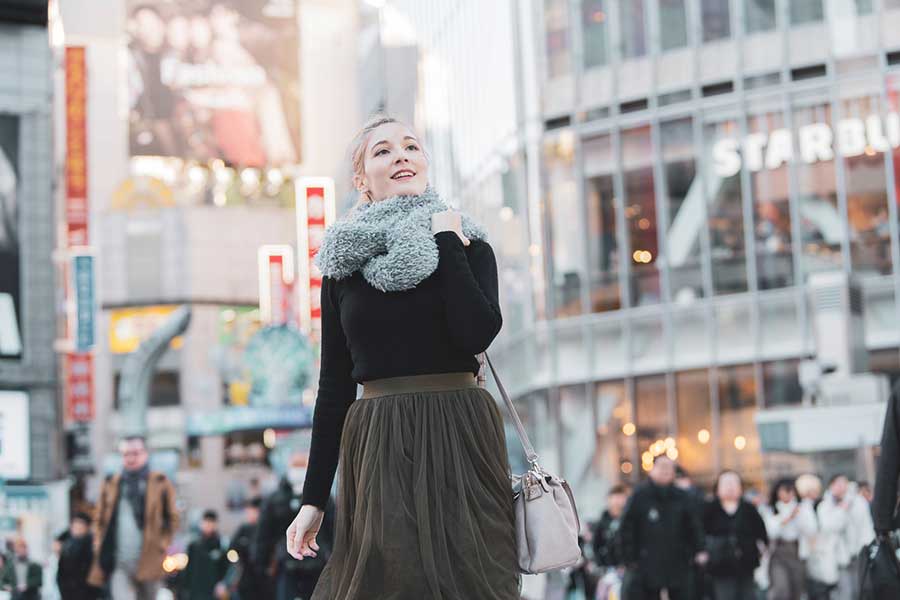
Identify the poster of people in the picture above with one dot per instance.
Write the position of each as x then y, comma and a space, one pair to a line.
10, 284
215, 79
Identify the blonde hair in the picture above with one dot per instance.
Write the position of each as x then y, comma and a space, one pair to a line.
358, 149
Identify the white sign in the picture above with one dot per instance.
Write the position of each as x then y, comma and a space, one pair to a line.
15, 449
813, 143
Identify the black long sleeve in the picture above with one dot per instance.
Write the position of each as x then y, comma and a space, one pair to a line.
437, 327
884, 502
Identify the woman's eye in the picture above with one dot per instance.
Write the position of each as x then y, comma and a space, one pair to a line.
380, 152
412, 147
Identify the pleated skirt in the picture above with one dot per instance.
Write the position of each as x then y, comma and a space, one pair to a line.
424, 507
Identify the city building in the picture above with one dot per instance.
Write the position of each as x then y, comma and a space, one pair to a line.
662, 180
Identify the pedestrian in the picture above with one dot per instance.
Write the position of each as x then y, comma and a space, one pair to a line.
701, 586
605, 544
661, 537
76, 553
815, 551
845, 526
251, 582
136, 519
787, 521
864, 489
409, 299
734, 532
292, 578
22, 577
207, 563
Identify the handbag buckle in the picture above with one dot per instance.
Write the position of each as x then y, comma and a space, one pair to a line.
532, 487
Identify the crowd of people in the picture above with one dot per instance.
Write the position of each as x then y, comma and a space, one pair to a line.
667, 537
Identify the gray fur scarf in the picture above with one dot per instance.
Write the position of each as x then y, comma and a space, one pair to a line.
390, 241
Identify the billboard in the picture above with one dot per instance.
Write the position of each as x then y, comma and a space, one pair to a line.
215, 80
10, 283
15, 439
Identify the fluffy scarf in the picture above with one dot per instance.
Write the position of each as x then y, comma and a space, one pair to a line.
390, 241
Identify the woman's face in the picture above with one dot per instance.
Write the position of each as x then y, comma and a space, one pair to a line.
394, 163
785, 494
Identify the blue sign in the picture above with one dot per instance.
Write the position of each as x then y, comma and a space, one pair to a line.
83, 286
247, 418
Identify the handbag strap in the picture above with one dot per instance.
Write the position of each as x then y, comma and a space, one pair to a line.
530, 454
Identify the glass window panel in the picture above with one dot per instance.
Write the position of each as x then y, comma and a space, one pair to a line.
694, 426
579, 439
640, 215
614, 451
867, 210
716, 19
738, 441
880, 311
726, 215
684, 196
691, 331
556, 29
771, 199
652, 409
821, 224
607, 334
734, 322
593, 18
781, 383
779, 324
759, 15
634, 35
806, 11
566, 244
673, 24
601, 204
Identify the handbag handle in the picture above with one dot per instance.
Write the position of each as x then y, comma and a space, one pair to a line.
530, 454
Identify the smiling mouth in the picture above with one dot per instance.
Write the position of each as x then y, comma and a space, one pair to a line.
400, 175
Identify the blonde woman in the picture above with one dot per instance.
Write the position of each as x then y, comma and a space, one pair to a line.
409, 298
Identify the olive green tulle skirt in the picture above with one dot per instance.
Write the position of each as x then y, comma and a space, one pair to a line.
424, 509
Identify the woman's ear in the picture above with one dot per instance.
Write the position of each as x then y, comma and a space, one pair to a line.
359, 182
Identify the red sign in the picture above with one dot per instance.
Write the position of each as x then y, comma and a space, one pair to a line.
79, 381
315, 211
315, 228
282, 291
76, 147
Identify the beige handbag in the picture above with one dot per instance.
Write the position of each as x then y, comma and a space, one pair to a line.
546, 517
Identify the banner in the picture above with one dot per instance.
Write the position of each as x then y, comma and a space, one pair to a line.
128, 327
10, 283
277, 299
215, 80
82, 286
15, 439
315, 212
76, 148
79, 382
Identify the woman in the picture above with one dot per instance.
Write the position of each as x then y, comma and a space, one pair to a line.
788, 521
409, 298
734, 531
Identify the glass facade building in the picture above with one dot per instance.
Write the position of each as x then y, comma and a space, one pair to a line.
674, 173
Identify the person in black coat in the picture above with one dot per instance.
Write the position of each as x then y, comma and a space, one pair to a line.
884, 501
75, 557
604, 540
251, 583
661, 538
293, 578
734, 533
207, 564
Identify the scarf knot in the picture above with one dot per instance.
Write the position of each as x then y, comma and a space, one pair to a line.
389, 241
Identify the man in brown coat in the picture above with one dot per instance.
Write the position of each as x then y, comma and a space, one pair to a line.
136, 519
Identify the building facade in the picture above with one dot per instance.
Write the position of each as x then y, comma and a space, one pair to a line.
660, 184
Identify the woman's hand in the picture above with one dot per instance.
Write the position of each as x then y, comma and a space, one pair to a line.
448, 220
301, 535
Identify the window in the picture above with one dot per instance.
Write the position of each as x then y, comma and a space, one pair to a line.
725, 213
867, 210
684, 195
821, 226
694, 426
716, 20
614, 452
556, 28
601, 204
806, 11
769, 182
164, 389
634, 36
566, 244
781, 383
640, 215
760, 15
593, 18
579, 441
652, 418
673, 24
738, 441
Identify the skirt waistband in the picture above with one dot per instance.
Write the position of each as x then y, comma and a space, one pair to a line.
418, 383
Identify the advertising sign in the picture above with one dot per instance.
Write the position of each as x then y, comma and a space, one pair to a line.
76, 147
79, 382
15, 449
129, 327
276, 285
82, 272
315, 212
215, 80
10, 284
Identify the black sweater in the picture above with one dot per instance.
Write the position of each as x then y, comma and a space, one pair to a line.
437, 327
733, 539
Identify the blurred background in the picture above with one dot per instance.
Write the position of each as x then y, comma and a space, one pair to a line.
693, 205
